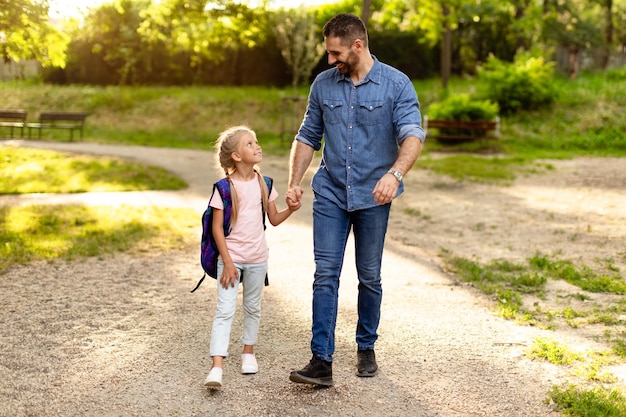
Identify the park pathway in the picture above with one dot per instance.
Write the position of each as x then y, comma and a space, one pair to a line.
124, 337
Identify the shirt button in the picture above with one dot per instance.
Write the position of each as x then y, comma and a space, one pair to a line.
350, 127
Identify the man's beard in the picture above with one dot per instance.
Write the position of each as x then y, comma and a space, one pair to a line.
347, 65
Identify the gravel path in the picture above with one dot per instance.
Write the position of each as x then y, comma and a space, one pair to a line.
124, 337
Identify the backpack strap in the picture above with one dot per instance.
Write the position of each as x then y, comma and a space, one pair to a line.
269, 182
223, 187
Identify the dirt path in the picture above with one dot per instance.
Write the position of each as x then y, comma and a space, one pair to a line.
124, 337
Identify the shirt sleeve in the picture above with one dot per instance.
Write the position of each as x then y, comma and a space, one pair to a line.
216, 201
312, 128
273, 194
408, 115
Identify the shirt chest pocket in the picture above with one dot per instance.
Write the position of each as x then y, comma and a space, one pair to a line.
332, 110
371, 112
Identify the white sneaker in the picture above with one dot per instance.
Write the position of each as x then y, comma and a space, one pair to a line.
214, 379
249, 364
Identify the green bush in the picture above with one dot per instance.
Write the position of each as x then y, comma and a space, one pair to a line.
616, 74
463, 107
524, 84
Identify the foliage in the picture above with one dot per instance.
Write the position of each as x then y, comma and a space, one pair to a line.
507, 282
596, 402
47, 232
481, 169
553, 352
581, 276
296, 37
25, 170
525, 84
112, 36
585, 119
25, 33
463, 107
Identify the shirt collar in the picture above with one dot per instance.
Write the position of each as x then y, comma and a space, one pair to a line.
375, 74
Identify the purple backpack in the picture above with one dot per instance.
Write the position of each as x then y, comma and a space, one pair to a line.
208, 248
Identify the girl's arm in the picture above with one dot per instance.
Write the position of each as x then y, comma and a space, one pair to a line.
277, 217
230, 272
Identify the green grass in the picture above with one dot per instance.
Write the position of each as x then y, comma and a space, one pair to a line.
553, 352
582, 276
501, 170
48, 232
575, 401
510, 283
586, 120
26, 170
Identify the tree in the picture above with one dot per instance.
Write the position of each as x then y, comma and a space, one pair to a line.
573, 26
298, 41
25, 33
204, 30
111, 31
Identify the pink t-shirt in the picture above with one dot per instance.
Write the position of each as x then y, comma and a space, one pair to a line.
246, 242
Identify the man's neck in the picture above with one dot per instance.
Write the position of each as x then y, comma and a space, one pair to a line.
365, 66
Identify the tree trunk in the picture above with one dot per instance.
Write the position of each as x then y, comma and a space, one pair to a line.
521, 42
608, 35
365, 13
574, 52
446, 48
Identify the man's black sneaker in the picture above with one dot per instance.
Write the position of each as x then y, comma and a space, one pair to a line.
317, 372
366, 365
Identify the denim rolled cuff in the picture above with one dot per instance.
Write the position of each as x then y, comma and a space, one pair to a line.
316, 144
411, 130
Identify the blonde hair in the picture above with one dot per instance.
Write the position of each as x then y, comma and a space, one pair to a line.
227, 143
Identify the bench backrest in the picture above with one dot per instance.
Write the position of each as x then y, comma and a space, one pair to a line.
13, 115
62, 116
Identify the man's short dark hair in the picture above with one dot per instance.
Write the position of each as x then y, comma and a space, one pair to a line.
346, 27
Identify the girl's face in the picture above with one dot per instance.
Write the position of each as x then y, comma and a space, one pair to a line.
249, 150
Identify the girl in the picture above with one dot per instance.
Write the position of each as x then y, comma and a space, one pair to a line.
243, 252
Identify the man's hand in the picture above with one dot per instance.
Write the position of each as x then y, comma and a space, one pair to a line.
386, 189
293, 198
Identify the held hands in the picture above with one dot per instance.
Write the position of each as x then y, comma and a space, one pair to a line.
386, 189
293, 198
230, 274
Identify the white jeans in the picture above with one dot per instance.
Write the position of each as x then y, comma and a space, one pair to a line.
253, 280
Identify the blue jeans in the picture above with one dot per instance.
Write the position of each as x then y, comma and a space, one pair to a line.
331, 228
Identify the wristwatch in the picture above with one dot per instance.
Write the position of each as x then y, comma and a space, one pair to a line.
396, 174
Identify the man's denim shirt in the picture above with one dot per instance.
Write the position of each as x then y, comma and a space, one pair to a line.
363, 126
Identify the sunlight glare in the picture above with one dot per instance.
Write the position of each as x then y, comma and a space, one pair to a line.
75, 8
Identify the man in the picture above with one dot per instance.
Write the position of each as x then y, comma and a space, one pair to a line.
368, 114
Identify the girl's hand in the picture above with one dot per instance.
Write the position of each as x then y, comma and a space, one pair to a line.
293, 198
229, 275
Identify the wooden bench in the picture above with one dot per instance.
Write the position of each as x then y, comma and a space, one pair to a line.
462, 130
13, 119
59, 120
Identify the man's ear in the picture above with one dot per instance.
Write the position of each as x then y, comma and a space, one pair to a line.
358, 44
